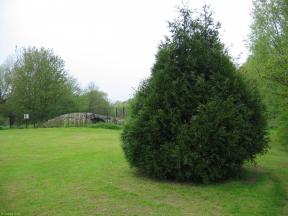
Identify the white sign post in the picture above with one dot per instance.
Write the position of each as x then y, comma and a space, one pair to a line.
26, 118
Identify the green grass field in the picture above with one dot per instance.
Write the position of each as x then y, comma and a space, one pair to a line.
82, 171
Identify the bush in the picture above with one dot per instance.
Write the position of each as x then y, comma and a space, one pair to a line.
195, 118
3, 120
106, 125
282, 128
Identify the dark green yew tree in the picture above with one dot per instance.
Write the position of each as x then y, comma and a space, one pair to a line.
194, 118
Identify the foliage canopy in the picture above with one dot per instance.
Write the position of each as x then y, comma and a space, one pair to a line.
269, 60
40, 85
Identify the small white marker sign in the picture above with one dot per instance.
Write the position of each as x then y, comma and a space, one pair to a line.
26, 116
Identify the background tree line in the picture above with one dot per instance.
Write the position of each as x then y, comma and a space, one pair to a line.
268, 62
35, 81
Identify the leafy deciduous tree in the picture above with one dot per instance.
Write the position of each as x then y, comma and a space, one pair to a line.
40, 84
269, 58
97, 101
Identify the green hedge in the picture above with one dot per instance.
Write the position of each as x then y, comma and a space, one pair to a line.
105, 126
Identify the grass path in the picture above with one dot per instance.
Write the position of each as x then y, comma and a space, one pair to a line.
82, 171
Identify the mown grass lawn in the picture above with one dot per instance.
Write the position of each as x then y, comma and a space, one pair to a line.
82, 171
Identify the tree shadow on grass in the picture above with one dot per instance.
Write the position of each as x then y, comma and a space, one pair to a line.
248, 175
255, 191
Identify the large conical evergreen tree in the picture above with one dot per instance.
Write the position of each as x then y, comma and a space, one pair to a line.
194, 118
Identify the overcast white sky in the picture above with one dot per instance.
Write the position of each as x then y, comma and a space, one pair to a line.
111, 42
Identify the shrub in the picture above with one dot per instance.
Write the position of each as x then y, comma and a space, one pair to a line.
195, 118
105, 125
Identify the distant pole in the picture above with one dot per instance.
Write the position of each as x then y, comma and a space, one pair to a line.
68, 120
123, 111
11, 119
116, 113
